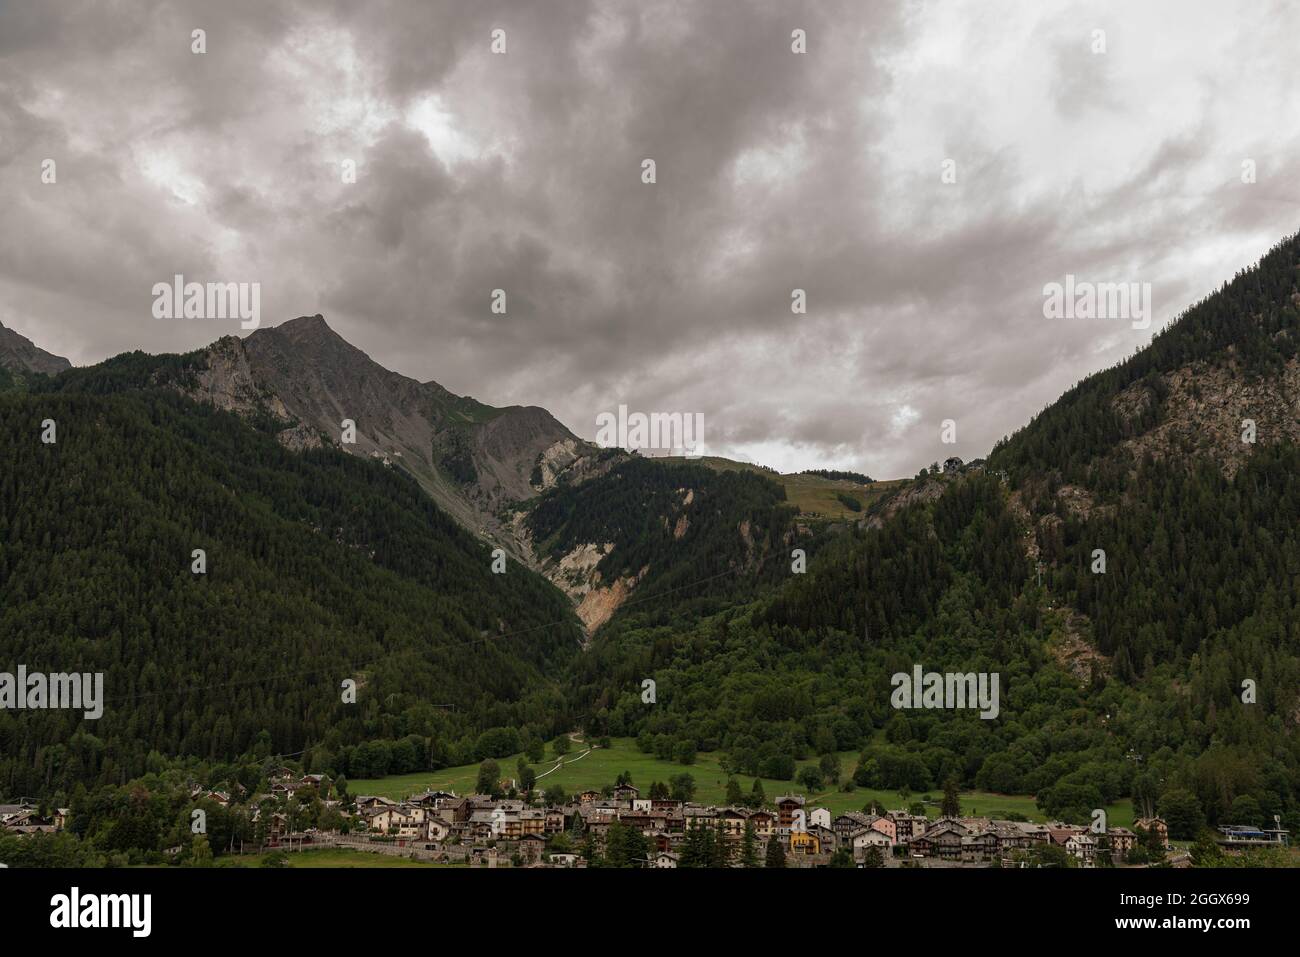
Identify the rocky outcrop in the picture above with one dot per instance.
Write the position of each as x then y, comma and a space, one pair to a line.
1071, 648
1205, 410
227, 381
552, 463
929, 489
576, 573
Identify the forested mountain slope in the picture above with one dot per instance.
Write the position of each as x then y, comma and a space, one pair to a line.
660, 537
320, 567
1231, 356
1180, 467
1119, 678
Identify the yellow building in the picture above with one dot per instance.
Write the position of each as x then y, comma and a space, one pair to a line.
803, 842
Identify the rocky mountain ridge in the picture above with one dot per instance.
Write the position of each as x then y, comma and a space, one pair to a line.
18, 354
474, 460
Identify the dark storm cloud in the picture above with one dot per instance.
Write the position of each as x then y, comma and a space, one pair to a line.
775, 171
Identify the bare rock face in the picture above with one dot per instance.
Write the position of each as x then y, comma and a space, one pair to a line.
552, 463
1205, 410
300, 438
1072, 647
473, 460
598, 606
19, 354
576, 572
228, 382
576, 575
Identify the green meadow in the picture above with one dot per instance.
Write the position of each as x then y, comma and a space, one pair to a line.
602, 766
817, 497
331, 857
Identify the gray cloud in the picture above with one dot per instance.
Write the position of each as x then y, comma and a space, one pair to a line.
775, 172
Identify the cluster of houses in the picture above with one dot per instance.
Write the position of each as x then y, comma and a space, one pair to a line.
25, 817
809, 836
284, 785
442, 825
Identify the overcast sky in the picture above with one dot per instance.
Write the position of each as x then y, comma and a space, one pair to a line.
775, 170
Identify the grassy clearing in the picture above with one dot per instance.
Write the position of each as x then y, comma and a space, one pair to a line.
601, 766
816, 497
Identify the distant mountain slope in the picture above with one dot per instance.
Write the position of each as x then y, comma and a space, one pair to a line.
651, 526
835, 496
320, 567
19, 356
473, 459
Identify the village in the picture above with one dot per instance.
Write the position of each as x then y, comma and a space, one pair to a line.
807, 836
304, 812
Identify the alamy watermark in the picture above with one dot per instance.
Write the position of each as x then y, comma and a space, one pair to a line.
933, 689
179, 299
74, 909
38, 691
1098, 300
668, 433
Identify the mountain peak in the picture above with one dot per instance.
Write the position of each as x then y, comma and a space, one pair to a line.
305, 326
312, 336
470, 457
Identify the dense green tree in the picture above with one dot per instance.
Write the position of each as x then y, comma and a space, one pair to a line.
1050, 855
775, 856
683, 786
721, 851
1182, 813
489, 778
697, 846
829, 765
843, 857
951, 805
199, 853
1246, 810
749, 846
625, 846
320, 566
811, 778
